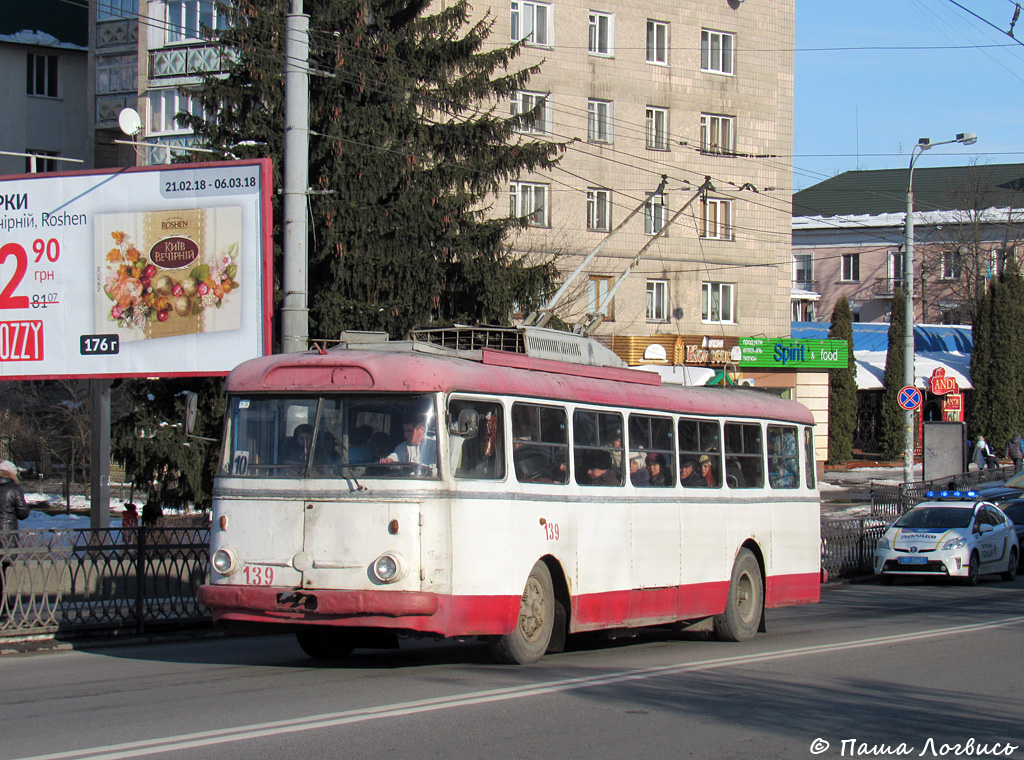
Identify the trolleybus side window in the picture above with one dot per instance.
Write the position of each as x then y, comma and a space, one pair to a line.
744, 455
540, 443
652, 460
597, 447
809, 457
700, 454
476, 439
783, 457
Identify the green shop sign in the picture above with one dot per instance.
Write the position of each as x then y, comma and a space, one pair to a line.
789, 353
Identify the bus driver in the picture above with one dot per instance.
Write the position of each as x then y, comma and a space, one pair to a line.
416, 448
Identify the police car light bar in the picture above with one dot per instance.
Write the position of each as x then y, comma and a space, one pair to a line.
951, 494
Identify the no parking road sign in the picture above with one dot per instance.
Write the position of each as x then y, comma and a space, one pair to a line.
909, 398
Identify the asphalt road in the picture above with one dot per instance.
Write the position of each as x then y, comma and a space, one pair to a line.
918, 669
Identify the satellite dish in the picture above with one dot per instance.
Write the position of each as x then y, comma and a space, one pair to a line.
129, 121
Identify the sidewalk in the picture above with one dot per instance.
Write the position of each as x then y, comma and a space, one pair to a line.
846, 489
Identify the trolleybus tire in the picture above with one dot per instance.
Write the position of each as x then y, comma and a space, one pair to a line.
528, 642
325, 642
745, 603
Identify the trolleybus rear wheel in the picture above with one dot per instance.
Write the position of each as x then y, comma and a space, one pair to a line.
743, 608
325, 642
529, 640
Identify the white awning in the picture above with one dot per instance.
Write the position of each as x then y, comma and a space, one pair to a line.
871, 368
680, 374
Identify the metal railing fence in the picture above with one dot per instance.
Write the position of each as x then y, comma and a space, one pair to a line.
90, 580
892, 501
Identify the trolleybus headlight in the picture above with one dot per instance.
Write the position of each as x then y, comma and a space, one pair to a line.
224, 561
387, 568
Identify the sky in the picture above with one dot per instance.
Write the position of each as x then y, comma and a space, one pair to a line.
874, 76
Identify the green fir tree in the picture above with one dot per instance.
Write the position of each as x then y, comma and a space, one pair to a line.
171, 469
842, 397
891, 425
410, 141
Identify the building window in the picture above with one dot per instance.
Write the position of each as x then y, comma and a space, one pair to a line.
164, 106
657, 42
601, 39
803, 271
116, 73
117, 9
530, 199
717, 218
597, 296
657, 300
42, 75
43, 161
524, 102
530, 22
952, 265
657, 128
717, 133
851, 267
716, 51
599, 121
716, 302
186, 19
655, 214
599, 209
895, 271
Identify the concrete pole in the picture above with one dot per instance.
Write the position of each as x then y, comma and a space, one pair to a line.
295, 309
99, 460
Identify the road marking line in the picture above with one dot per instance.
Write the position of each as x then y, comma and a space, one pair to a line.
329, 720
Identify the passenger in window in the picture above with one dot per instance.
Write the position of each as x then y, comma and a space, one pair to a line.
359, 451
296, 448
600, 470
416, 448
781, 476
638, 474
706, 471
657, 469
688, 475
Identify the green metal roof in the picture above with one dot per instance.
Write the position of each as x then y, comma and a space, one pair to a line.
884, 191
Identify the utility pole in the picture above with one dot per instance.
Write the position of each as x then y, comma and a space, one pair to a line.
295, 309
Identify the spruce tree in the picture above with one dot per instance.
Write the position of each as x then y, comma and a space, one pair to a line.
410, 141
891, 425
842, 397
981, 407
172, 470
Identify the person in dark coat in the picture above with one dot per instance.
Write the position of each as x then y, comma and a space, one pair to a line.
12, 499
12, 508
1015, 451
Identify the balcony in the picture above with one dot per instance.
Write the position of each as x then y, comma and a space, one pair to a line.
804, 285
884, 287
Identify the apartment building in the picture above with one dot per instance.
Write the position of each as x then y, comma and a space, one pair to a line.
43, 58
689, 90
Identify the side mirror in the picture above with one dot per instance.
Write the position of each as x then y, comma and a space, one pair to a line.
467, 425
986, 528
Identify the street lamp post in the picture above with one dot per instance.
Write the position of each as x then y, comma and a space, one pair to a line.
966, 138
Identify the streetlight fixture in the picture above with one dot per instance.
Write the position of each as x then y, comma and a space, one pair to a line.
966, 138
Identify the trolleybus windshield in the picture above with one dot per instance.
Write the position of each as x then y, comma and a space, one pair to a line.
344, 435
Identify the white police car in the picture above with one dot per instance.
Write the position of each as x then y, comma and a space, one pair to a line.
953, 535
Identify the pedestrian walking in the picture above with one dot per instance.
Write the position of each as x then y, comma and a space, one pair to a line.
12, 508
983, 456
1015, 451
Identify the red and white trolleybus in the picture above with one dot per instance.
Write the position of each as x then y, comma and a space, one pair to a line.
466, 483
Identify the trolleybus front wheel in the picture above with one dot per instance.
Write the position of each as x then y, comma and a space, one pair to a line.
743, 608
528, 642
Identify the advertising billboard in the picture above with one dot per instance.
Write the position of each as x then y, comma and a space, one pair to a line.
142, 272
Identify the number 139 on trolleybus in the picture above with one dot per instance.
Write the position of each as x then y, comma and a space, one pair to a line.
475, 483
